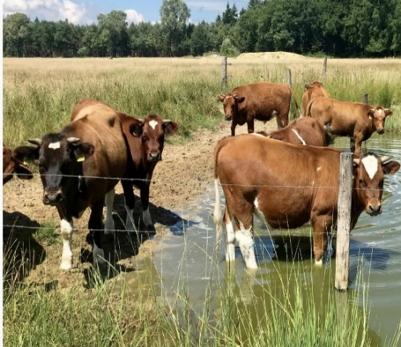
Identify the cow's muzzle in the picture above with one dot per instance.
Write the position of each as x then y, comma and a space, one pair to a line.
374, 210
380, 131
155, 156
227, 117
52, 197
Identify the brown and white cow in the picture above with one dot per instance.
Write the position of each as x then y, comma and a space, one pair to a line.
12, 164
342, 118
303, 131
145, 142
313, 90
261, 101
286, 186
70, 163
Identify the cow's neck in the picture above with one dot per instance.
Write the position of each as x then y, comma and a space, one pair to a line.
357, 207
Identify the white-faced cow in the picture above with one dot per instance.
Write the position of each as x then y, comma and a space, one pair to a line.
355, 120
313, 90
145, 142
79, 166
261, 101
12, 163
286, 186
303, 131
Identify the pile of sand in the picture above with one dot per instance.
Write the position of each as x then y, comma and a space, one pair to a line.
271, 55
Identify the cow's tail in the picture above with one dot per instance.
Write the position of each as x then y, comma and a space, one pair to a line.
309, 107
217, 216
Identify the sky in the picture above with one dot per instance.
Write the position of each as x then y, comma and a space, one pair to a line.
86, 11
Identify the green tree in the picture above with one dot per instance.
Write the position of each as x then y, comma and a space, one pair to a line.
113, 33
201, 40
230, 15
16, 31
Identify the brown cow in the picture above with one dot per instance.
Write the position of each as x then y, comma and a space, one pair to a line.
261, 101
313, 90
69, 163
342, 118
287, 185
145, 143
12, 164
303, 131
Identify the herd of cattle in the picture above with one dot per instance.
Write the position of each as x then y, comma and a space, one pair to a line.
286, 178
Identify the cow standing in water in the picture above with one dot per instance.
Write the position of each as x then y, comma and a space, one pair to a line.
71, 161
145, 142
286, 186
313, 90
353, 119
261, 101
13, 164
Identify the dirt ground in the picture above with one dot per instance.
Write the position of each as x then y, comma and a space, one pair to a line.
179, 178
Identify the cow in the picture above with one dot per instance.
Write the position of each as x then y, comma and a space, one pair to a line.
287, 185
261, 101
313, 90
342, 118
303, 131
79, 166
12, 164
145, 142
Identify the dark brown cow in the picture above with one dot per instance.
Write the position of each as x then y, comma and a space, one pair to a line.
313, 90
145, 141
12, 164
261, 101
287, 185
70, 161
342, 118
303, 131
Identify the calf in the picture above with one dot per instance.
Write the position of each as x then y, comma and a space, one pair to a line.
313, 90
342, 118
13, 164
145, 143
261, 101
79, 166
303, 131
287, 185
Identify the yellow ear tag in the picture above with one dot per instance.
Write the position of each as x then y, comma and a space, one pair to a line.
370, 117
80, 159
24, 162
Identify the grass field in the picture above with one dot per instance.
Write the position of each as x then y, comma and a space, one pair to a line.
39, 94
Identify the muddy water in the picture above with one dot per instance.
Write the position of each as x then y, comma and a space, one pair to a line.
188, 263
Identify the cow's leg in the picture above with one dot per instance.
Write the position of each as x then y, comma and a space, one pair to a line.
129, 203
321, 226
233, 125
244, 235
66, 230
251, 125
358, 137
109, 226
230, 236
147, 219
352, 145
95, 227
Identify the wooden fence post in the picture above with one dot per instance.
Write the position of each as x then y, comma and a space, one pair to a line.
289, 78
343, 221
324, 68
224, 74
365, 98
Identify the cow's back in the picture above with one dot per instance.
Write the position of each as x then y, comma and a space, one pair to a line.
288, 181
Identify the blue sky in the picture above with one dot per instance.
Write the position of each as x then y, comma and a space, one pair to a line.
86, 11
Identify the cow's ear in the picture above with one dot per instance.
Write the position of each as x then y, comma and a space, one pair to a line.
307, 86
388, 112
136, 128
222, 97
82, 150
239, 98
26, 153
170, 127
390, 167
371, 113
23, 172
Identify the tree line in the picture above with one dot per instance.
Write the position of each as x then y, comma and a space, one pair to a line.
346, 28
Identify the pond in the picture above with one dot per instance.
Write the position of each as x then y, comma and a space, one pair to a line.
188, 258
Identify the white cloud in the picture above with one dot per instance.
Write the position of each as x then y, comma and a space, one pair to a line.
51, 10
133, 17
208, 5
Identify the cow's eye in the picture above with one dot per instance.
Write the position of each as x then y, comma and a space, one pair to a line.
145, 138
362, 183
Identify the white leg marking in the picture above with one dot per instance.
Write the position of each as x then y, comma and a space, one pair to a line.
230, 246
258, 213
109, 222
153, 123
66, 229
217, 216
98, 255
299, 136
147, 219
319, 262
371, 165
246, 244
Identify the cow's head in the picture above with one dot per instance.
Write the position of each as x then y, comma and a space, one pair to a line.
13, 163
378, 116
369, 177
60, 162
230, 103
316, 88
152, 131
